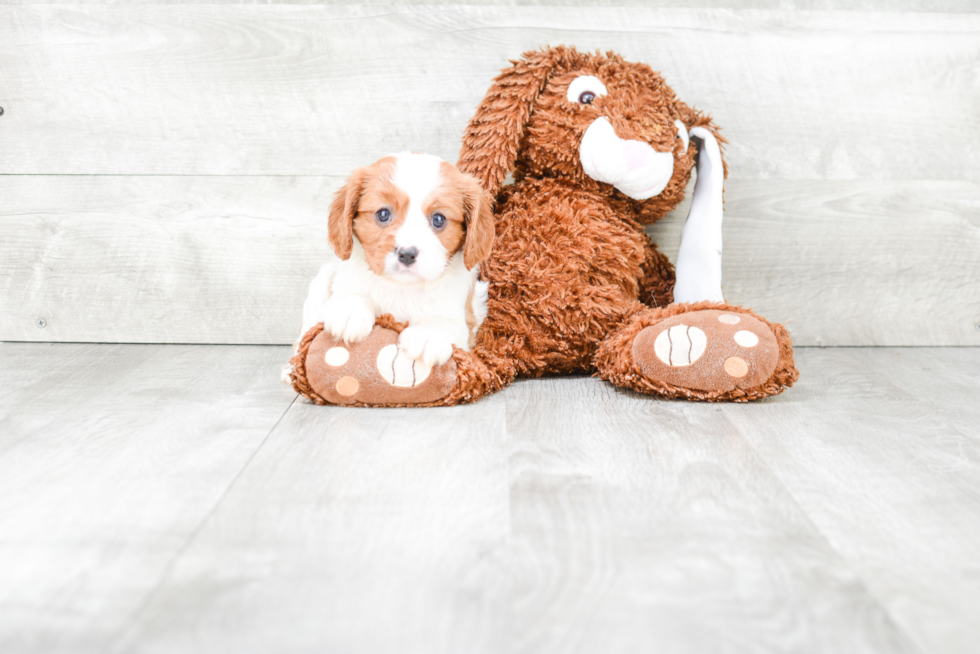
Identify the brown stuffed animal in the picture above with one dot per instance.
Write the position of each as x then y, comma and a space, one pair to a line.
598, 147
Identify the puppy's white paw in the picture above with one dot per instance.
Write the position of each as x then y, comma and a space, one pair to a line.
353, 323
425, 344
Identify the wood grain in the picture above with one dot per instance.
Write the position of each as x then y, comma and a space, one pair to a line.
874, 448
958, 6
351, 531
152, 259
948, 383
228, 259
643, 525
151, 502
110, 459
317, 90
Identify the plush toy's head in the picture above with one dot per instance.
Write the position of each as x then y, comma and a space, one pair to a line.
593, 119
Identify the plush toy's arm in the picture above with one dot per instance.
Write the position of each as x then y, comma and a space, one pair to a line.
699, 258
657, 282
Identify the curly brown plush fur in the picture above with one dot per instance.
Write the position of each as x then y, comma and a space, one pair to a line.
571, 262
573, 277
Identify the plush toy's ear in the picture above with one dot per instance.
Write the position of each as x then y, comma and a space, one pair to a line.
698, 269
343, 210
494, 134
478, 215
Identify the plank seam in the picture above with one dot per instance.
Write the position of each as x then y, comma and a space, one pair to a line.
845, 562
113, 643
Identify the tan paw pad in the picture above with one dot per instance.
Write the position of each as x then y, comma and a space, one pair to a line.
709, 350
336, 356
374, 371
746, 338
681, 345
399, 370
736, 367
347, 386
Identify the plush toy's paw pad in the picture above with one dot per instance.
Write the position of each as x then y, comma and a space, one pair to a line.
374, 371
709, 350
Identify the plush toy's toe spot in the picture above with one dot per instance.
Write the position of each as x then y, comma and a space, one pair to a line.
680, 345
336, 356
398, 369
373, 372
347, 386
710, 350
736, 367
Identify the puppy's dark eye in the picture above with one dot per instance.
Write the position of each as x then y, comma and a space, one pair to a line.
438, 220
586, 98
383, 216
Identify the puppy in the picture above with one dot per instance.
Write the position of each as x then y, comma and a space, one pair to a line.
410, 231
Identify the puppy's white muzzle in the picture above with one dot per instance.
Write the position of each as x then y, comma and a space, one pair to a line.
633, 167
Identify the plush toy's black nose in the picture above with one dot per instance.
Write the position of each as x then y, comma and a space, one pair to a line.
408, 255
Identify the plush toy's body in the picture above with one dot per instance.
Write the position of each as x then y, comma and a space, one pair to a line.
554, 295
599, 147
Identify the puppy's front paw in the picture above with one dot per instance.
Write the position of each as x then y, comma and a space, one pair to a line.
426, 345
351, 323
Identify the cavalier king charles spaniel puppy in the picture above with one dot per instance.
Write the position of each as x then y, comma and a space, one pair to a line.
409, 231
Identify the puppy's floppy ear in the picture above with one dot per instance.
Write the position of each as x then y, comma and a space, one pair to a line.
343, 210
478, 214
494, 134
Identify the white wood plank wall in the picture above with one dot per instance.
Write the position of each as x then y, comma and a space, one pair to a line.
165, 168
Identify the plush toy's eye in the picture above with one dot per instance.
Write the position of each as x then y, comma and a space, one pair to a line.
383, 216
438, 220
584, 89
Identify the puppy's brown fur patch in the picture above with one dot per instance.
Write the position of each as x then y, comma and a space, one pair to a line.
378, 191
459, 197
465, 192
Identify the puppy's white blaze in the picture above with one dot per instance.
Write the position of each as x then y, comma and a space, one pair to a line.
417, 175
633, 167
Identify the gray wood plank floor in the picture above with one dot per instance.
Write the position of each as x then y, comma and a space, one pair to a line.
178, 499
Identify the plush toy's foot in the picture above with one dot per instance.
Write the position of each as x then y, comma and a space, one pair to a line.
374, 372
703, 351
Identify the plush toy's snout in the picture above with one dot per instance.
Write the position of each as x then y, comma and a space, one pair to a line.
634, 167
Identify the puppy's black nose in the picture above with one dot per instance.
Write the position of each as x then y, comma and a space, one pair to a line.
408, 255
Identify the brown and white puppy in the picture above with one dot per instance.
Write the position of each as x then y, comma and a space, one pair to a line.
410, 231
